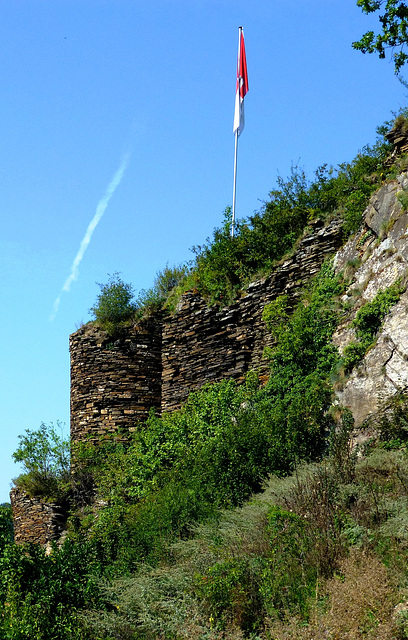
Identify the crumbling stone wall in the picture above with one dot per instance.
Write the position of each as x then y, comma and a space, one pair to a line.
35, 520
202, 344
158, 363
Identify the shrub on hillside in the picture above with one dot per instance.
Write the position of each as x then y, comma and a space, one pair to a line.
224, 265
226, 440
114, 304
6, 526
165, 282
41, 594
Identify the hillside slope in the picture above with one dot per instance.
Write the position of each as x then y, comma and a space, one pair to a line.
249, 512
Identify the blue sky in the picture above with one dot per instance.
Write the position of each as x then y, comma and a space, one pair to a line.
90, 88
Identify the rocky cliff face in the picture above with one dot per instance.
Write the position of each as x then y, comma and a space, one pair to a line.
377, 257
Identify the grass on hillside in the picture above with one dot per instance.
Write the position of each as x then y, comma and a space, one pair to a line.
316, 555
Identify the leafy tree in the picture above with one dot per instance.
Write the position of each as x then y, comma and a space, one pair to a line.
44, 455
394, 32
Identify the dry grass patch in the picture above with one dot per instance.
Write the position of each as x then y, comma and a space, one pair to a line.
359, 604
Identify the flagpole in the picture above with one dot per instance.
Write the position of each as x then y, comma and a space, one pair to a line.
234, 192
235, 185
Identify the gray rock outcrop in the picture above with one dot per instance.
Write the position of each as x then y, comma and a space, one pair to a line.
381, 252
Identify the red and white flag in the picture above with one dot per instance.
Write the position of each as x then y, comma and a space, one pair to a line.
242, 86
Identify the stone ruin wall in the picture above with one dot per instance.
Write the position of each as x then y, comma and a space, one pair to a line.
157, 363
114, 383
202, 344
35, 520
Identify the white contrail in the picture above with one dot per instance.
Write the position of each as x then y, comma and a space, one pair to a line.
100, 210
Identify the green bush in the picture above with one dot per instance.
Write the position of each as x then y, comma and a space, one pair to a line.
353, 354
275, 314
164, 443
343, 457
214, 452
165, 282
370, 317
278, 581
40, 595
294, 403
230, 592
288, 579
224, 265
223, 444
6, 526
114, 304
393, 423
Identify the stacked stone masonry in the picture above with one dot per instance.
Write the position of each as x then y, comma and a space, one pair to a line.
159, 362
202, 344
35, 520
114, 383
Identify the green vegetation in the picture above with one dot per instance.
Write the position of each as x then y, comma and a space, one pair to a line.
322, 551
315, 533
114, 306
314, 553
184, 468
244, 514
45, 458
394, 423
222, 445
394, 34
164, 289
368, 322
223, 266
6, 526
40, 594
